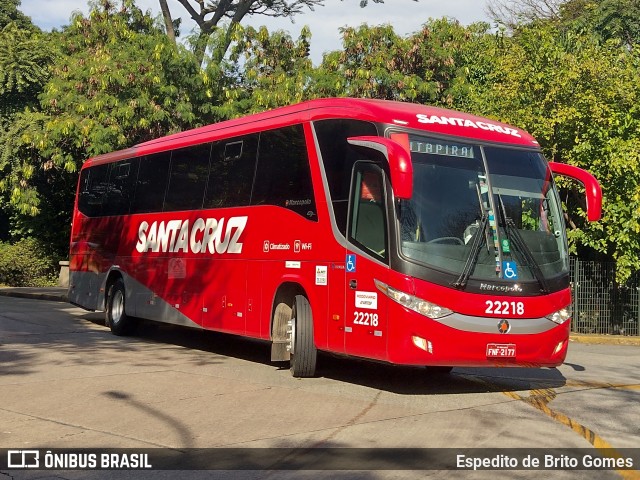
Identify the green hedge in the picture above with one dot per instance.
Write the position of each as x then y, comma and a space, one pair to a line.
25, 264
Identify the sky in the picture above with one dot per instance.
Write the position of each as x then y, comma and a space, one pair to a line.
406, 16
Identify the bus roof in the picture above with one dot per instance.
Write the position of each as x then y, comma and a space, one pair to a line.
407, 115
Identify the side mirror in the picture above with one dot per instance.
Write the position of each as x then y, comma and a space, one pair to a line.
592, 187
398, 158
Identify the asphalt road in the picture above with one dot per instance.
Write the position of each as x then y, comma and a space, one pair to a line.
66, 382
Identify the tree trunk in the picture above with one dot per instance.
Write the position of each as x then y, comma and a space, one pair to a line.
168, 22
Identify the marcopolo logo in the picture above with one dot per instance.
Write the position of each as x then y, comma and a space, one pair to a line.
205, 235
489, 287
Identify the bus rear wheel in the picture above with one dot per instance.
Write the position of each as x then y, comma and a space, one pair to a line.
302, 348
116, 317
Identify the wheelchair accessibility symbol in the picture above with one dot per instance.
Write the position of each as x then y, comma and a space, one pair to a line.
351, 263
510, 270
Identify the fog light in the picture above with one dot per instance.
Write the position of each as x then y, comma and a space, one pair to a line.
559, 347
422, 344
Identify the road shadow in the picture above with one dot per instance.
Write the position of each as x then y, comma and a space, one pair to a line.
82, 339
422, 381
377, 375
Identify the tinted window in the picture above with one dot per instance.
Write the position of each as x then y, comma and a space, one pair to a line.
93, 188
189, 172
368, 218
338, 159
233, 164
283, 177
153, 176
121, 189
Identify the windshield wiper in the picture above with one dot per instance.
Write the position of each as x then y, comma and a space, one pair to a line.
522, 247
472, 259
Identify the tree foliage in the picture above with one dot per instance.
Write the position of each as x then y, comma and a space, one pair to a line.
10, 13
429, 66
226, 15
607, 19
264, 70
25, 57
116, 80
512, 13
579, 97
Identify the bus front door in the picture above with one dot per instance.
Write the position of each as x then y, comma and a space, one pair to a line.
366, 307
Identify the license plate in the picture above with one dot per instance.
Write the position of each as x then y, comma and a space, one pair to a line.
501, 350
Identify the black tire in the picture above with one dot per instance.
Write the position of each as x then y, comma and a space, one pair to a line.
116, 317
303, 349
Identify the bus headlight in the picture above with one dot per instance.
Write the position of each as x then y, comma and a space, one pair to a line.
428, 309
561, 315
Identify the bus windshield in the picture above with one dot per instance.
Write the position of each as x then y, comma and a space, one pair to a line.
485, 213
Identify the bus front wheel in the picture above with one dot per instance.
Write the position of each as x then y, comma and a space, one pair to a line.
116, 316
303, 349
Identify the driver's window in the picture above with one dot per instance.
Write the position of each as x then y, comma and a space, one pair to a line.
368, 225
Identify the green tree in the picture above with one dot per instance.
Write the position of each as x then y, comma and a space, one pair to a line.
116, 81
430, 66
579, 97
25, 57
220, 19
609, 19
264, 71
10, 13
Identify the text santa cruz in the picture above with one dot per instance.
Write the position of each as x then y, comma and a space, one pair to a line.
461, 122
204, 235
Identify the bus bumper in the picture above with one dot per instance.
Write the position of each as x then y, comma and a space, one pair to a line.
418, 340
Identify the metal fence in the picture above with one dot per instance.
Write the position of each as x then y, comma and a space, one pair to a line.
600, 304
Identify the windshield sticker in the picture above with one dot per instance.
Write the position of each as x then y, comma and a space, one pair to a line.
506, 247
510, 270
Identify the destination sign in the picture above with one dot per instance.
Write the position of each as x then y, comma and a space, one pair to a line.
448, 149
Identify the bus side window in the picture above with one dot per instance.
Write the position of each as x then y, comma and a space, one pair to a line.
93, 189
368, 226
188, 178
233, 164
121, 188
338, 158
151, 186
283, 176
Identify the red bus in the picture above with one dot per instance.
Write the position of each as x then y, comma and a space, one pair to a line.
382, 230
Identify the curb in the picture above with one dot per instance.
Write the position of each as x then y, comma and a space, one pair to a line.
604, 339
54, 294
